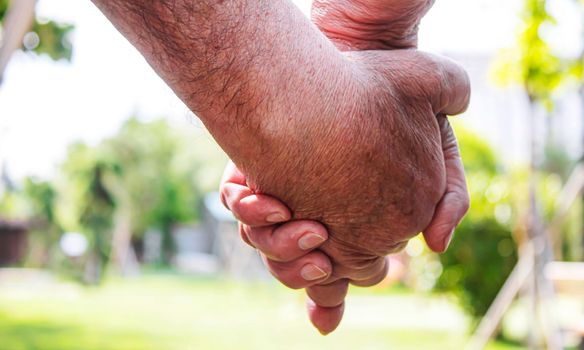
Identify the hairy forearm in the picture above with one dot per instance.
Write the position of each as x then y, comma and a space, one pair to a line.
246, 68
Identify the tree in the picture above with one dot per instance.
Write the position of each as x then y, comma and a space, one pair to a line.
47, 36
577, 72
532, 64
162, 172
41, 197
147, 175
483, 253
88, 178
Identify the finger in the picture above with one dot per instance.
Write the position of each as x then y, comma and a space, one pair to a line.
357, 267
247, 206
372, 24
288, 241
376, 278
455, 202
329, 295
325, 319
452, 87
310, 269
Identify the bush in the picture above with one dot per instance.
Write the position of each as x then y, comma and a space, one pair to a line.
483, 252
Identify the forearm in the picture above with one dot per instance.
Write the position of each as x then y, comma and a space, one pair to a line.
240, 65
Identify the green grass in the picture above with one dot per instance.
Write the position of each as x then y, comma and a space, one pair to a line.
176, 313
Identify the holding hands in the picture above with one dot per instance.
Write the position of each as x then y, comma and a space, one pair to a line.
389, 170
342, 147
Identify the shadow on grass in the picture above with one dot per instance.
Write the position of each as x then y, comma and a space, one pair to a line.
42, 333
18, 334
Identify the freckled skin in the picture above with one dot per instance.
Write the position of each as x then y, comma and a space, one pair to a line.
360, 25
349, 139
377, 184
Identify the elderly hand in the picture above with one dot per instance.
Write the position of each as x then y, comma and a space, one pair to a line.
346, 139
352, 25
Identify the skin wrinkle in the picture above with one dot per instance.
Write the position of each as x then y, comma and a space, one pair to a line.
448, 212
401, 207
322, 130
367, 25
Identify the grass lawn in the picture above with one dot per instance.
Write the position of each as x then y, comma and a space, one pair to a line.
176, 313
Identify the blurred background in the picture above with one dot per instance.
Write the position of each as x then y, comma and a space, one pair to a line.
112, 235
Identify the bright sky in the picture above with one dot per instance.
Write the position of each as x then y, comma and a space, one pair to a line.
45, 105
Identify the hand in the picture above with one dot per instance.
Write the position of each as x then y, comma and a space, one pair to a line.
349, 140
400, 24
393, 24
284, 253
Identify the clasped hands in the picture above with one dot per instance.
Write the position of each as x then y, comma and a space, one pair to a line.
352, 186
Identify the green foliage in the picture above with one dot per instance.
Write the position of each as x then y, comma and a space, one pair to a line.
557, 161
147, 175
12, 206
42, 198
52, 38
158, 193
153, 174
34, 200
155, 192
576, 68
85, 175
531, 62
478, 262
477, 154
3, 8
483, 252
91, 204
98, 212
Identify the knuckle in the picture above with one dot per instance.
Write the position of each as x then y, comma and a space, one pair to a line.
236, 208
286, 280
358, 269
255, 237
292, 284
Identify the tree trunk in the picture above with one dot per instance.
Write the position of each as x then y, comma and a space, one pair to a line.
533, 221
17, 22
123, 256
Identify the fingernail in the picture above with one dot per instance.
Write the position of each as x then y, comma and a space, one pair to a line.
275, 217
310, 240
312, 272
448, 239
